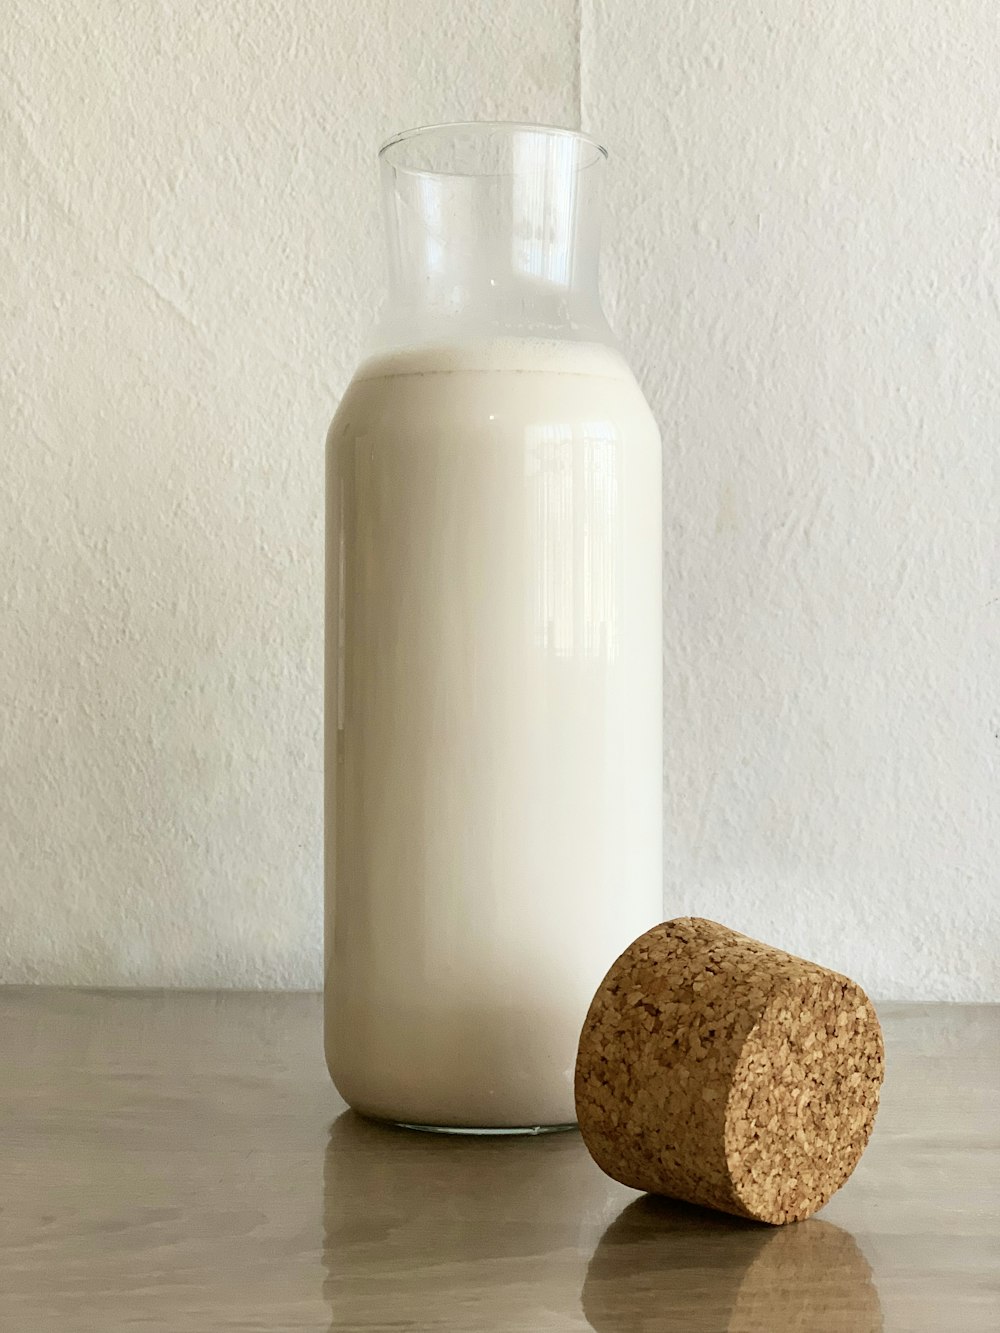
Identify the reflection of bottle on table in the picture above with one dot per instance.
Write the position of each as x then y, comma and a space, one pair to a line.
423, 1231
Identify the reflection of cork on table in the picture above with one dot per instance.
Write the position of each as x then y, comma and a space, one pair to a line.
664, 1265
719, 1070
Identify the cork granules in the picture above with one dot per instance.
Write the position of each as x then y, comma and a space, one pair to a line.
718, 1070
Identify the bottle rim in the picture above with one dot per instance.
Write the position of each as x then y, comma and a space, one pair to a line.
387, 156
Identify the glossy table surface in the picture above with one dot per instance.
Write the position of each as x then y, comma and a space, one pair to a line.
180, 1161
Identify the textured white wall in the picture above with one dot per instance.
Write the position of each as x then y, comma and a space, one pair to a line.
807, 279
803, 250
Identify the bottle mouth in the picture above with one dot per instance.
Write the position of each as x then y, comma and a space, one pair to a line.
488, 148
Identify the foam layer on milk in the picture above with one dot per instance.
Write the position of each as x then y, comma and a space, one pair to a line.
537, 355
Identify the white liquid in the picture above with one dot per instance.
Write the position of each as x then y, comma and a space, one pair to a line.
493, 722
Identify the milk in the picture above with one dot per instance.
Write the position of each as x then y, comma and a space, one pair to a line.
493, 721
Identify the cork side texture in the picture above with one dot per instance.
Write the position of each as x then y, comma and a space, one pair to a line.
716, 1069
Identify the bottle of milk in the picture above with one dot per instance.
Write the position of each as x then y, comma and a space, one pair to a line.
493, 622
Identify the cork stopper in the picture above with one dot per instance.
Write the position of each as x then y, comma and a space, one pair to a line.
716, 1069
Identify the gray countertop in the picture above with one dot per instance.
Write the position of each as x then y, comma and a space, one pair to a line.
180, 1161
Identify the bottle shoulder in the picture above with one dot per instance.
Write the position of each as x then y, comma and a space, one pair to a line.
546, 384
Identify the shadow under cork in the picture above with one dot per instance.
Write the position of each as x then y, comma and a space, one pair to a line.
665, 1266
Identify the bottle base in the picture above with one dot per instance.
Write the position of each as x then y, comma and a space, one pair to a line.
481, 1131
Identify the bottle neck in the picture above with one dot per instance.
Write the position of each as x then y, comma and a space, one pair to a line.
493, 231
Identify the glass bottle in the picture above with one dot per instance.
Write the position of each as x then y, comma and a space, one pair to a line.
493, 707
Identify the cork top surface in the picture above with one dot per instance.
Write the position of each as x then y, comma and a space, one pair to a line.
803, 1098
719, 1070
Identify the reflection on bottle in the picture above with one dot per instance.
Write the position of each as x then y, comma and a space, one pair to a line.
664, 1265
573, 478
544, 208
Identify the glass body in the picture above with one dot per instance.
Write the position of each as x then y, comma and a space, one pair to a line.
493, 709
